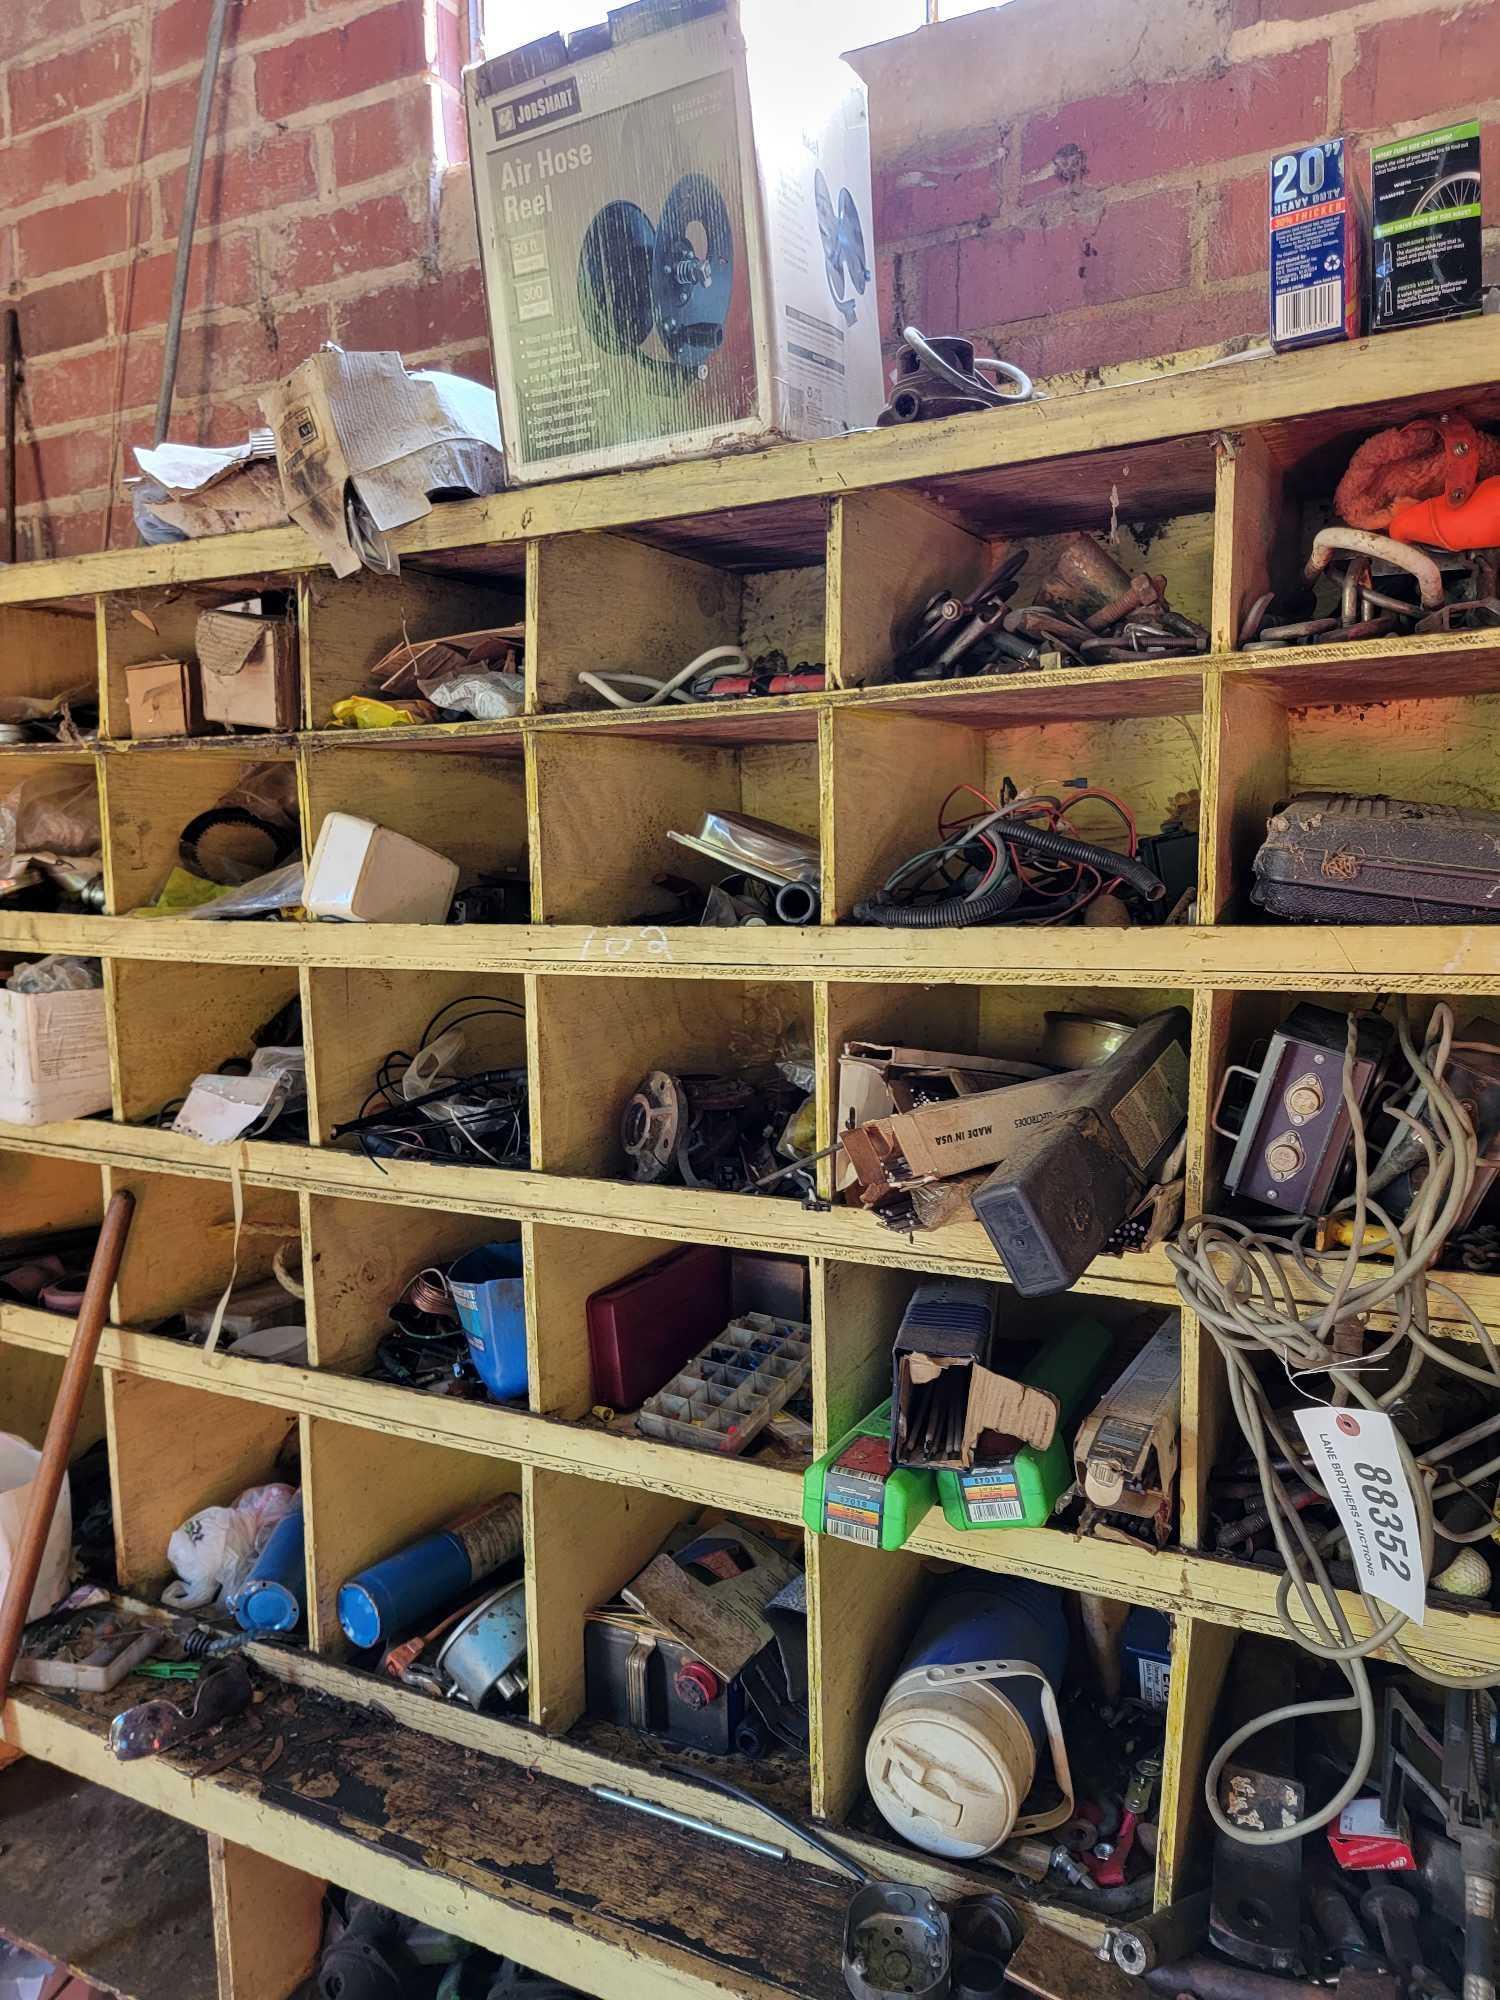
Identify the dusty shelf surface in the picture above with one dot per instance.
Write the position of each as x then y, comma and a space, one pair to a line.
111, 1889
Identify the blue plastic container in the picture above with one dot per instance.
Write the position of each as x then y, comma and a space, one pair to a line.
274, 1597
952, 1757
490, 1294
394, 1595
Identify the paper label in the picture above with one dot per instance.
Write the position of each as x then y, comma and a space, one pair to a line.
992, 1493
1354, 1454
854, 1491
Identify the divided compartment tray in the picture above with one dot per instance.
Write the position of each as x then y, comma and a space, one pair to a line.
726, 1395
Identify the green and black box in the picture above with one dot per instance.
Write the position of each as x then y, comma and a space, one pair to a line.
1425, 222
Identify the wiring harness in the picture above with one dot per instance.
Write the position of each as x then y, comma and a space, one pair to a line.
478, 1120
1016, 861
1269, 1301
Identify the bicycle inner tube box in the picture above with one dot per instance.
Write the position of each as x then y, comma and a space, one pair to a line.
674, 225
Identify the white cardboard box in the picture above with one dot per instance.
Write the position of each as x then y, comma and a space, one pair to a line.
366, 874
675, 234
54, 1057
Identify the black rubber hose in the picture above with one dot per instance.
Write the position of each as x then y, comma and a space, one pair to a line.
954, 911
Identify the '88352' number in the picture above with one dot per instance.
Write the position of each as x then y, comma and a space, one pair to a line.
1379, 1492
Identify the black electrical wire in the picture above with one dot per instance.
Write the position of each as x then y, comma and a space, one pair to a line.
958, 911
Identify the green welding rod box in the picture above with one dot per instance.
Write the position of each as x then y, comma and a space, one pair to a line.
855, 1494
1021, 1488
674, 224
1426, 221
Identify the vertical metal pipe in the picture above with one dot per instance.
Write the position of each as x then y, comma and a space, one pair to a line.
189, 219
12, 391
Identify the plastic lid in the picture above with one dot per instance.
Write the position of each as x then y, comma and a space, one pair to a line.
359, 1616
268, 1607
949, 1768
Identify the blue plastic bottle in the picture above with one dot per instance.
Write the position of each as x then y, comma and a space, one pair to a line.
274, 1597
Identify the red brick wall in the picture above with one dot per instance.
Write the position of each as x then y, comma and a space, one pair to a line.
1080, 181
321, 217
1083, 182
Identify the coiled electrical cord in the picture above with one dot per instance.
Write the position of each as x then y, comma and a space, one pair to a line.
899, 905
1251, 1292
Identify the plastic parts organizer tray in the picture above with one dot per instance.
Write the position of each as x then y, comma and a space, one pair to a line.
729, 1392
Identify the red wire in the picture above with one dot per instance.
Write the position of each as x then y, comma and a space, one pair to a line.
1054, 813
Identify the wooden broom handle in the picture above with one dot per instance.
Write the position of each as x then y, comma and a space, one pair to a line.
61, 1429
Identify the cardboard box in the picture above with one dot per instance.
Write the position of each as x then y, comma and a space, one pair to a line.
365, 874
946, 1336
877, 1079
1317, 247
1427, 254
54, 1057
247, 670
162, 697
362, 444
675, 234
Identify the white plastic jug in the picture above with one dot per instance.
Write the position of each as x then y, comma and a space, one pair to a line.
19, 1464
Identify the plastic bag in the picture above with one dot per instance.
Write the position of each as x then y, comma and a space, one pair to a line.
278, 889
182, 894
57, 974
53, 812
487, 696
19, 1464
215, 1549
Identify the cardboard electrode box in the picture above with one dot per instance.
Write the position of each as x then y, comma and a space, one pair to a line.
54, 1057
1317, 246
1427, 225
674, 228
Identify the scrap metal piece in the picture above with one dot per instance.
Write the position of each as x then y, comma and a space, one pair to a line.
156, 1725
1172, 1933
897, 1941
1256, 1911
1330, 542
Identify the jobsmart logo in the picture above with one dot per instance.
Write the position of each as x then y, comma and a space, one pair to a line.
540, 107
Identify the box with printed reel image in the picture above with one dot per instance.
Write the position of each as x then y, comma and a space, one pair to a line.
674, 227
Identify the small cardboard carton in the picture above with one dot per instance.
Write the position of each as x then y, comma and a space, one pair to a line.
877, 1080
674, 227
362, 444
247, 668
54, 1057
162, 697
1125, 1451
366, 874
1427, 223
944, 1394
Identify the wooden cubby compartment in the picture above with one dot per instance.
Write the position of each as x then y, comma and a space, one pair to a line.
47, 1194
595, 1039
68, 778
969, 1018
29, 1381
1407, 727
890, 552
167, 1031
153, 792
174, 1449
140, 625
362, 1256
606, 800
587, 1540
607, 604
184, 1244
861, 1312
865, 1606
368, 1494
892, 770
348, 624
567, 1267
47, 652
469, 807
354, 1019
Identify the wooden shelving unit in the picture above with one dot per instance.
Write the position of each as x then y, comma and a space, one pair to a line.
819, 550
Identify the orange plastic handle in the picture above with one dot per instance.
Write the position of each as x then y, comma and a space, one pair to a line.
1474, 525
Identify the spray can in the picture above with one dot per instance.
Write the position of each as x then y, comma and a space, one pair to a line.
966, 1724
393, 1595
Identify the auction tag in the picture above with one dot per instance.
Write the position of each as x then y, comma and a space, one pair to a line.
1354, 1454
